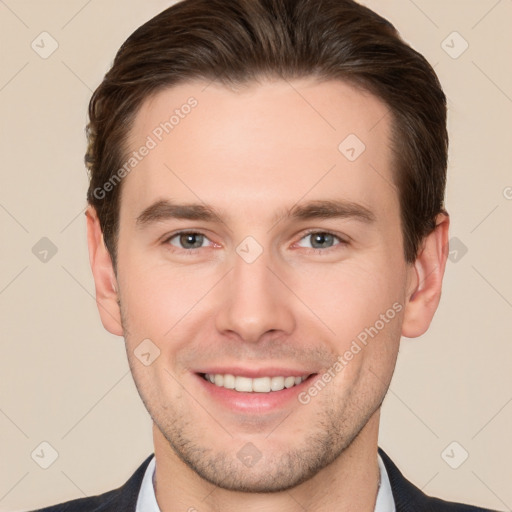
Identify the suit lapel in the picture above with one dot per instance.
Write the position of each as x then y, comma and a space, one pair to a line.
125, 497
408, 498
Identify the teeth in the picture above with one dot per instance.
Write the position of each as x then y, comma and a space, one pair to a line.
248, 385
229, 381
261, 385
289, 382
243, 384
277, 383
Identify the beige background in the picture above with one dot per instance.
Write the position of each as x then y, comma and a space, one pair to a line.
66, 381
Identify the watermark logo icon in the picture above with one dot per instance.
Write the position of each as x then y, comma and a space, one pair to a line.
249, 455
454, 45
454, 455
249, 249
147, 352
457, 249
352, 147
44, 250
44, 455
44, 45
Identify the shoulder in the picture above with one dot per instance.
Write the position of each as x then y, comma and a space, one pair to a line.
123, 498
409, 498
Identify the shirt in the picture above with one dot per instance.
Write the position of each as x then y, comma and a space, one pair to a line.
146, 502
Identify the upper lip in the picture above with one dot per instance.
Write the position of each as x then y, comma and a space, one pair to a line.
254, 373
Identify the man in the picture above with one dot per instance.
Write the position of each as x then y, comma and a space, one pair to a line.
265, 222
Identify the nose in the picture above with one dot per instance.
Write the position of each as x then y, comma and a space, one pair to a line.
254, 301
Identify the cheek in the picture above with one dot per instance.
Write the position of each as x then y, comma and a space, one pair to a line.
350, 296
157, 296
156, 385
362, 305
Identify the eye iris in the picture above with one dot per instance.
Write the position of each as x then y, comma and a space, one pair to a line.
195, 239
322, 239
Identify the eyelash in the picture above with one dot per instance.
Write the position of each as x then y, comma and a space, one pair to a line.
192, 252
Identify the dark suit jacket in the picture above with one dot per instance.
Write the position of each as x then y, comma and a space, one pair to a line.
408, 498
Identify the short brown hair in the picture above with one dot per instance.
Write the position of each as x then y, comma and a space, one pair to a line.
236, 42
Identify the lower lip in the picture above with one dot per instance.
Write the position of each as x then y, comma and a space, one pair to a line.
254, 402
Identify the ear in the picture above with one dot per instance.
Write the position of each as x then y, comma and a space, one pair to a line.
425, 280
104, 275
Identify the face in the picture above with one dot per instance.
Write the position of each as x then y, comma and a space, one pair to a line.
256, 252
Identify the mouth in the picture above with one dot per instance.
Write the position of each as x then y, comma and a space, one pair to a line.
257, 385
254, 392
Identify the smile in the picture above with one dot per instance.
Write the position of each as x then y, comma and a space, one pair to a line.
257, 385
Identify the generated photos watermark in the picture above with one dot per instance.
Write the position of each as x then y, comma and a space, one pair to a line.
358, 343
157, 135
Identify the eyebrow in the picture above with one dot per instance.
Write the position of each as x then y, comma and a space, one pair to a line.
317, 209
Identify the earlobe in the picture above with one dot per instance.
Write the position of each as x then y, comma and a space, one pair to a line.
104, 276
426, 278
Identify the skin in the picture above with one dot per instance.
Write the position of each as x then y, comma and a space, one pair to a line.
252, 154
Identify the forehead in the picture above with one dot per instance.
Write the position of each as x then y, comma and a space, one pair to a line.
268, 144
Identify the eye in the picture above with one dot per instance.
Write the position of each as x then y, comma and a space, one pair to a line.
317, 241
321, 240
187, 240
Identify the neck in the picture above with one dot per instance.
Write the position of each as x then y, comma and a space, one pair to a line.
349, 483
